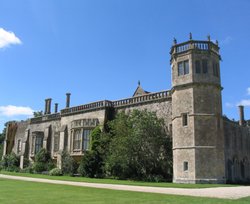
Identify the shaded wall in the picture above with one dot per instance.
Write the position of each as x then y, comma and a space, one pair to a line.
237, 152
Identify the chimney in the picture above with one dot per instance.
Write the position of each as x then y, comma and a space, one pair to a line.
56, 107
45, 109
241, 112
48, 106
68, 100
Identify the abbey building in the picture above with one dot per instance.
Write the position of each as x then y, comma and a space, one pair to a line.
207, 147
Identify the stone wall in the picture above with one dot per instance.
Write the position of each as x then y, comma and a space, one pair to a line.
162, 108
237, 152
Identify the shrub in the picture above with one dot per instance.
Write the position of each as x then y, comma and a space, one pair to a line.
28, 169
55, 172
91, 165
43, 161
10, 162
69, 165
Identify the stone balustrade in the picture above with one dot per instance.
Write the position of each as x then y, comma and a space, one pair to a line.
44, 118
85, 107
194, 44
142, 99
104, 104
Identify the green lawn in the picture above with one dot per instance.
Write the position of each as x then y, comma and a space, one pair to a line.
114, 181
12, 191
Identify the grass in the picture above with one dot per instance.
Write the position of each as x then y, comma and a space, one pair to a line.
114, 181
16, 192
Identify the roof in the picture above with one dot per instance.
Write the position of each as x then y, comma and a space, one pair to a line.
139, 90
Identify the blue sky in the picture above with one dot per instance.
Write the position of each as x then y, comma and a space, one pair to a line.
99, 49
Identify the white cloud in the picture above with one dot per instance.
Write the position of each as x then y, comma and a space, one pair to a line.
7, 38
11, 110
244, 102
229, 105
227, 40
248, 91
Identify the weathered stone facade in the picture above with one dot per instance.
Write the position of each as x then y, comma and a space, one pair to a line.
207, 147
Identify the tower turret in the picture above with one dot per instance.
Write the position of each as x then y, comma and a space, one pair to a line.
198, 141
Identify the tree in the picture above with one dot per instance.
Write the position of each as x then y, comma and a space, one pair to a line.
69, 165
92, 163
139, 148
43, 161
37, 114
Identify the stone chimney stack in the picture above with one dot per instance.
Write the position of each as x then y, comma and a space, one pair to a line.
56, 107
49, 106
68, 100
241, 112
45, 109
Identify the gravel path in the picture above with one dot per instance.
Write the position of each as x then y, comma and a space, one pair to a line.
218, 192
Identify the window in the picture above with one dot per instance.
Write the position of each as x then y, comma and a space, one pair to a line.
19, 146
186, 67
38, 143
180, 68
77, 139
204, 66
185, 166
197, 67
184, 119
85, 139
56, 142
216, 69
183, 68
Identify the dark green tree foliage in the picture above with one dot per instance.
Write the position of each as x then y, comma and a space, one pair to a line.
10, 162
69, 165
37, 114
140, 148
43, 161
92, 164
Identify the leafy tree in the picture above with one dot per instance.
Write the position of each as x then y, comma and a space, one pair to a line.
139, 148
37, 114
43, 161
92, 164
10, 162
69, 165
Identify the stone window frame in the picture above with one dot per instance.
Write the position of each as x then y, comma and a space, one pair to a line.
204, 66
81, 139
184, 117
198, 67
19, 146
185, 166
86, 139
34, 140
216, 69
76, 140
56, 145
183, 67
38, 143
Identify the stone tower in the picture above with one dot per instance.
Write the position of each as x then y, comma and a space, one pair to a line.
198, 141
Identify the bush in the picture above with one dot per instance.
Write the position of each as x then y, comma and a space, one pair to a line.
69, 165
10, 162
55, 172
91, 165
43, 161
28, 169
